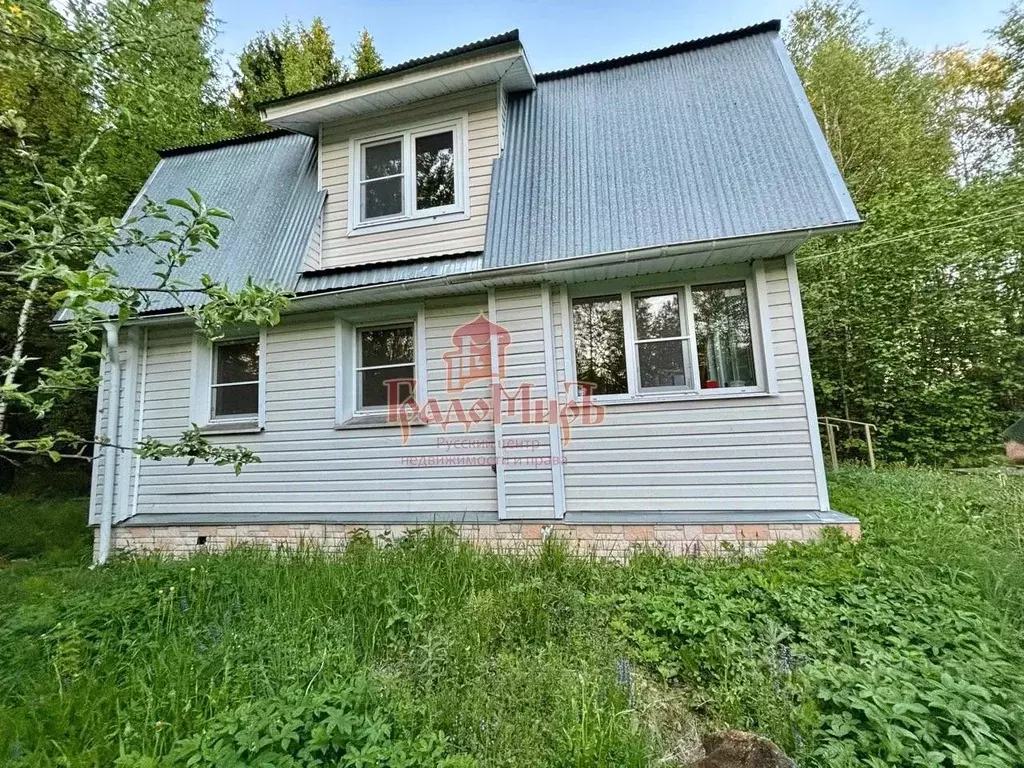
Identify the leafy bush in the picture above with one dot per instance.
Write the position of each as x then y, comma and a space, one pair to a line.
870, 654
343, 725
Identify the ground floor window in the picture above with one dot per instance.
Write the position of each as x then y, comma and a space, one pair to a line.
386, 359
687, 338
235, 385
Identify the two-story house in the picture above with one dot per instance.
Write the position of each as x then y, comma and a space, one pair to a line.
524, 303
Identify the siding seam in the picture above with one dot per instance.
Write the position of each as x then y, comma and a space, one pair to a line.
554, 429
499, 452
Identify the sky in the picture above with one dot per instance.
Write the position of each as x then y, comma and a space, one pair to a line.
559, 34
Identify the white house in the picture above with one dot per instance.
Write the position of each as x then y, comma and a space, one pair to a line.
524, 303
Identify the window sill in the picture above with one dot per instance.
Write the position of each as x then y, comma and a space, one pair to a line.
372, 421
409, 223
247, 427
675, 397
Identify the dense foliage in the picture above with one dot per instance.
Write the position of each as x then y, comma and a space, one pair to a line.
916, 321
88, 92
902, 650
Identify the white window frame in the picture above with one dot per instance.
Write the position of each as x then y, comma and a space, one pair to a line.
753, 279
410, 216
359, 367
203, 383
348, 324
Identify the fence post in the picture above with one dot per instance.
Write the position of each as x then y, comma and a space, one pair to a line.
829, 427
871, 447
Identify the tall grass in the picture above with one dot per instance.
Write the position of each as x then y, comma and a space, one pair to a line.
904, 649
38, 525
505, 656
965, 528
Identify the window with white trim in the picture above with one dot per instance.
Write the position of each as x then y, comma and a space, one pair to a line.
235, 380
686, 339
414, 174
385, 365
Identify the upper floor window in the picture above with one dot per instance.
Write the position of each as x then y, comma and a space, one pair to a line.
687, 338
409, 175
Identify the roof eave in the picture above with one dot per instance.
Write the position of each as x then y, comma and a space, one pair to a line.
504, 62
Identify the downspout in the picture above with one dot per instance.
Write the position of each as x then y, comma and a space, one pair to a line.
110, 449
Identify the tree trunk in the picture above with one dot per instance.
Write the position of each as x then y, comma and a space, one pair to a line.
17, 360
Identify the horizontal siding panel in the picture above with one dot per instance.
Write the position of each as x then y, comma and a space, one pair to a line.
691, 504
693, 455
307, 465
744, 490
341, 249
702, 455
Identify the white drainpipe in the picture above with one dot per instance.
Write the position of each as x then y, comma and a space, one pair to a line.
110, 450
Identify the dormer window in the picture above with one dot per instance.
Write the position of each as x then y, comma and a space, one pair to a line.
417, 174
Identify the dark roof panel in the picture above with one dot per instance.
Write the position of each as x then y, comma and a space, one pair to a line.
512, 36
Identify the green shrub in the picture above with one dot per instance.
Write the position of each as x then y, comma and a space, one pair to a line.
847, 654
343, 725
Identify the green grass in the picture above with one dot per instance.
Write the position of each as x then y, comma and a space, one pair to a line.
901, 650
41, 526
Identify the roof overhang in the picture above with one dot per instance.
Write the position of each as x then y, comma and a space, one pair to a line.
697, 255
504, 63
682, 257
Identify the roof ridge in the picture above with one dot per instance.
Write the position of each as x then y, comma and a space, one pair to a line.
774, 25
244, 138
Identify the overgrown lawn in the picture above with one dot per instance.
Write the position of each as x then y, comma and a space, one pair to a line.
902, 650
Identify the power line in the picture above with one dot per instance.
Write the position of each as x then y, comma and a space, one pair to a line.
987, 217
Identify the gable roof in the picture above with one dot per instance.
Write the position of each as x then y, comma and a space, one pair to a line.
705, 140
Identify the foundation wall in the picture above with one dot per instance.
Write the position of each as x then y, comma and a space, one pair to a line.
612, 541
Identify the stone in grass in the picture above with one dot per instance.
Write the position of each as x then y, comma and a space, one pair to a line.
1014, 438
738, 749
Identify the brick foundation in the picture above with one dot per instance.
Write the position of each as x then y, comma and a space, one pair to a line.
613, 541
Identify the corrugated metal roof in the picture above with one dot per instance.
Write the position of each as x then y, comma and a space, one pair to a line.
704, 140
711, 142
391, 272
243, 138
670, 50
268, 185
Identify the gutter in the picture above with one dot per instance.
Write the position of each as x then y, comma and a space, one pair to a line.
110, 449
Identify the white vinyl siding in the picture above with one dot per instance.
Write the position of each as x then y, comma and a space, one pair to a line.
308, 467
525, 448
701, 455
426, 238
130, 354
744, 453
